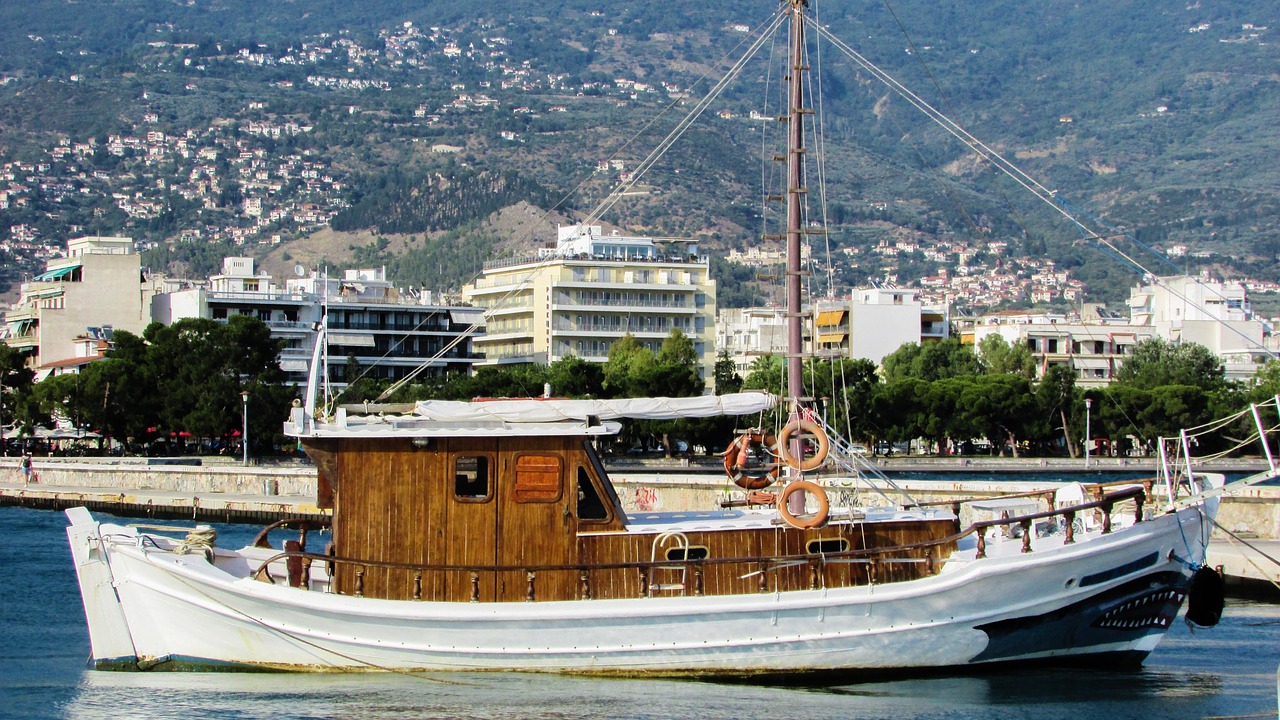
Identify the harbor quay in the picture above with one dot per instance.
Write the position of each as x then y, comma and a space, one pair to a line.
221, 489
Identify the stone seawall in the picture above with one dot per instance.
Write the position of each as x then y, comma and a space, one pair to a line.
1253, 512
131, 474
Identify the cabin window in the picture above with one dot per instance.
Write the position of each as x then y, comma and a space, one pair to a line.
537, 478
693, 552
471, 478
590, 506
827, 545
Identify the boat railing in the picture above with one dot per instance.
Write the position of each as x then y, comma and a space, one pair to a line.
1097, 490
1106, 503
928, 553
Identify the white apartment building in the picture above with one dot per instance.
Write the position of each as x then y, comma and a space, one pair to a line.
875, 322
389, 332
591, 290
1214, 314
750, 333
1093, 345
98, 286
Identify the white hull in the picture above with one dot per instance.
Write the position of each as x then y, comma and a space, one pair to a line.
1112, 595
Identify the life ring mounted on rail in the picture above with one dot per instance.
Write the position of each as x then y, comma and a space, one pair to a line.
804, 522
742, 460
803, 430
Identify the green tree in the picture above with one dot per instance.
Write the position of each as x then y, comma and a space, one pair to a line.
1057, 400
727, 379
121, 398
629, 367
202, 367
932, 361
576, 378
999, 408
1000, 358
1156, 362
17, 406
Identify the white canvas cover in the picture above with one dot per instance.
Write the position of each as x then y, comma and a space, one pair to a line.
534, 410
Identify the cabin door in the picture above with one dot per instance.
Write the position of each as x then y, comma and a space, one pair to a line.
467, 537
536, 524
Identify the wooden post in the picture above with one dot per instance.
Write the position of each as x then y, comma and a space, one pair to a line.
475, 586
529, 577
1070, 517
1026, 536
360, 582
417, 585
982, 543
584, 579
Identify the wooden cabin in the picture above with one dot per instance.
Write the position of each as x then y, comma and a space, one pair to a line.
510, 519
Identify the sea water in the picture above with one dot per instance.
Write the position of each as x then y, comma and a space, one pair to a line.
1227, 671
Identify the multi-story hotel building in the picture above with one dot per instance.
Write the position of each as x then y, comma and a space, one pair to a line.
387, 332
590, 291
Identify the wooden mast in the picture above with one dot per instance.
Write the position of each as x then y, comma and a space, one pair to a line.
795, 190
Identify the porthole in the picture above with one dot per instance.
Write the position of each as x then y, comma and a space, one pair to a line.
693, 552
823, 546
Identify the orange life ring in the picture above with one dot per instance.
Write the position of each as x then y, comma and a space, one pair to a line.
806, 427
738, 463
817, 519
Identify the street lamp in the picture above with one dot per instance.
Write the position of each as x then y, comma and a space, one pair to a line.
1088, 403
244, 432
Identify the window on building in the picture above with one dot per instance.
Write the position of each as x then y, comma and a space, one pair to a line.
471, 478
251, 286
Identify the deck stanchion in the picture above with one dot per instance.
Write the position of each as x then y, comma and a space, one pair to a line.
475, 586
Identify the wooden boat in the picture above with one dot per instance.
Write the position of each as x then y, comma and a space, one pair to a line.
488, 536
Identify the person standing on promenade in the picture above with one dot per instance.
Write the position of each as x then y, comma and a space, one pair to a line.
25, 466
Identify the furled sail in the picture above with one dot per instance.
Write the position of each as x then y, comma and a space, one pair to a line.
659, 408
